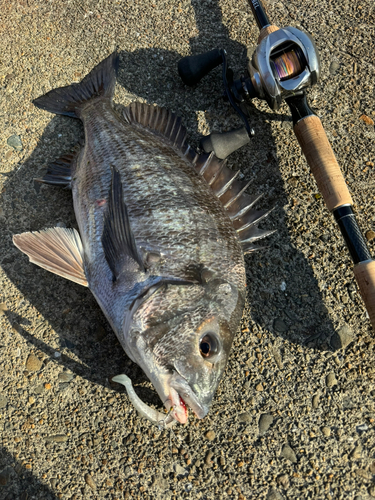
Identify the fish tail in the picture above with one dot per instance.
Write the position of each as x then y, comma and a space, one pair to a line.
70, 100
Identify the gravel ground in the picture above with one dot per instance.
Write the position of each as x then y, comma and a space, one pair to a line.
294, 415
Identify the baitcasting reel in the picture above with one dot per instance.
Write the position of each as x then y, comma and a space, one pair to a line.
283, 65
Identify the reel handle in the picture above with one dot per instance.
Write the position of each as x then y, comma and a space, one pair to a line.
193, 68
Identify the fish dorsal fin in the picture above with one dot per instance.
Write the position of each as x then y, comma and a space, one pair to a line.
117, 238
222, 180
159, 120
59, 250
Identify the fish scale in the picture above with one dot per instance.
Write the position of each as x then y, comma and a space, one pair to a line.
162, 231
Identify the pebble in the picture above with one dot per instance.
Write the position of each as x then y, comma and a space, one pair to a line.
58, 438
179, 470
283, 481
372, 467
90, 482
160, 484
369, 121
265, 423
357, 452
39, 389
208, 459
65, 376
33, 363
280, 326
14, 141
342, 338
210, 435
273, 494
315, 401
333, 67
370, 235
3, 402
289, 454
326, 431
4, 477
371, 490
244, 417
3, 308
259, 387
331, 380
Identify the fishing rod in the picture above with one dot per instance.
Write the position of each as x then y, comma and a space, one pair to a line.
283, 66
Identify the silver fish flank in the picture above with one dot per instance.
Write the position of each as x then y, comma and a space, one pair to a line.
162, 233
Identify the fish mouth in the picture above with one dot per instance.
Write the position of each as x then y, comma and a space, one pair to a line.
181, 397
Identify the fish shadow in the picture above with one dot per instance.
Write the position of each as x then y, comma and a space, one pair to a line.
66, 318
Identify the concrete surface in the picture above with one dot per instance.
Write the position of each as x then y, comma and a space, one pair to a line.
294, 415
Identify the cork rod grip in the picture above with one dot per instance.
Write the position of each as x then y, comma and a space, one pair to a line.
266, 31
322, 161
365, 275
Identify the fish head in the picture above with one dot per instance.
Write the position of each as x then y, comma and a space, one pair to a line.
181, 337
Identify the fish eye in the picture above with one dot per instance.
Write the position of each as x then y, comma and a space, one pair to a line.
209, 345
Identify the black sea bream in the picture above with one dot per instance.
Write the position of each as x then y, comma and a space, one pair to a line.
162, 233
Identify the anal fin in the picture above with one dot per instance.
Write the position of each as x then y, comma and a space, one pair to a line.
58, 250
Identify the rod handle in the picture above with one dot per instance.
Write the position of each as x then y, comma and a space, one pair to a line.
364, 273
322, 161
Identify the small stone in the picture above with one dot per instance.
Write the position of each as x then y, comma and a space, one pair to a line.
259, 387
4, 476
283, 481
357, 452
273, 494
47, 386
160, 484
265, 423
244, 417
280, 326
370, 235
3, 308
289, 454
14, 141
315, 401
33, 363
369, 121
210, 435
179, 470
90, 482
331, 380
333, 67
39, 389
208, 459
342, 338
371, 490
31, 400
326, 431
58, 438
3, 402
65, 376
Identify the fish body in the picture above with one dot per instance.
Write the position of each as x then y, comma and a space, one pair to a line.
162, 233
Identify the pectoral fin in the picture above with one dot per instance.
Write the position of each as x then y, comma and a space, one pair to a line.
58, 250
118, 240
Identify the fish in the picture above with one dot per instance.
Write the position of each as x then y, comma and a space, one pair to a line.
162, 233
